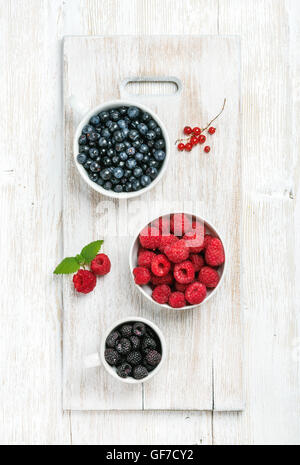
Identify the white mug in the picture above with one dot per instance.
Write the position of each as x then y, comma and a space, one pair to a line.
97, 359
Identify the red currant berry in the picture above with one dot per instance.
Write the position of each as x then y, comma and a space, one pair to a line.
207, 149
187, 130
181, 147
194, 140
196, 131
188, 147
212, 130
202, 139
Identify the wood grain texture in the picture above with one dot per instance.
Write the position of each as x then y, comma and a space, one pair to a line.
213, 367
30, 31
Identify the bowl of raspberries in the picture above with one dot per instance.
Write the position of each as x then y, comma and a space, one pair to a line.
132, 350
178, 261
121, 150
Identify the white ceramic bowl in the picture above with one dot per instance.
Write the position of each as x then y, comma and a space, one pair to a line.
146, 289
97, 359
82, 171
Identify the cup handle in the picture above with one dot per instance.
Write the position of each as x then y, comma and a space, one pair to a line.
92, 360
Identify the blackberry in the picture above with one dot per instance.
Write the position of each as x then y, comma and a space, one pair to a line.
134, 358
124, 370
135, 342
139, 329
140, 372
126, 330
111, 356
146, 365
148, 343
112, 338
153, 358
123, 346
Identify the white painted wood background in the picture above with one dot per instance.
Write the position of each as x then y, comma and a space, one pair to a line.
31, 222
213, 368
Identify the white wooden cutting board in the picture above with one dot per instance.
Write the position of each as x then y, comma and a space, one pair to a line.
203, 370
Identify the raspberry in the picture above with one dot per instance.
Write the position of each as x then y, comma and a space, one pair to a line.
157, 280
214, 253
160, 265
141, 275
207, 239
208, 276
84, 281
177, 300
177, 252
145, 258
161, 294
180, 224
195, 293
197, 261
181, 287
101, 264
195, 240
150, 238
184, 272
167, 240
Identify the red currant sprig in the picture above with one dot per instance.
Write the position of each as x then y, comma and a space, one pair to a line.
196, 135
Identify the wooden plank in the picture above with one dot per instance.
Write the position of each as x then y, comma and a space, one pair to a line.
84, 390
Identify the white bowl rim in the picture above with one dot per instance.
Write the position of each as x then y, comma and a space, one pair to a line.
213, 292
82, 171
155, 328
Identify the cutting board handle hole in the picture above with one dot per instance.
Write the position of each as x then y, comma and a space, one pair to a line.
166, 86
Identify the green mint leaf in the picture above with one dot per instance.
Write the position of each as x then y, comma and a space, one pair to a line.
80, 259
68, 265
90, 251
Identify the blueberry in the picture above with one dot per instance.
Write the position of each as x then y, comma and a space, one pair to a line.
152, 124
105, 133
100, 181
133, 112
132, 178
114, 181
93, 153
127, 174
146, 117
105, 174
111, 152
118, 188
157, 131
153, 163
114, 127
87, 164
159, 144
125, 132
122, 124
115, 115
152, 172
104, 116
130, 151
82, 139
119, 136
121, 164
95, 120
150, 143
139, 156
102, 142
150, 135
144, 148
109, 144
93, 176
146, 159
81, 158
159, 155
123, 110
123, 156
95, 167
109, 123
145, 180
115, 160
133, 134
136, 143
143, 128
87, 129
102, 152
131, 163
120, 147
136, 185
84, 148
128, 187
118, 173
144, 167
107, 185
106, 161
137, 172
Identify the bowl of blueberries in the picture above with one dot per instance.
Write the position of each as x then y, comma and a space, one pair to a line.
121, 150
